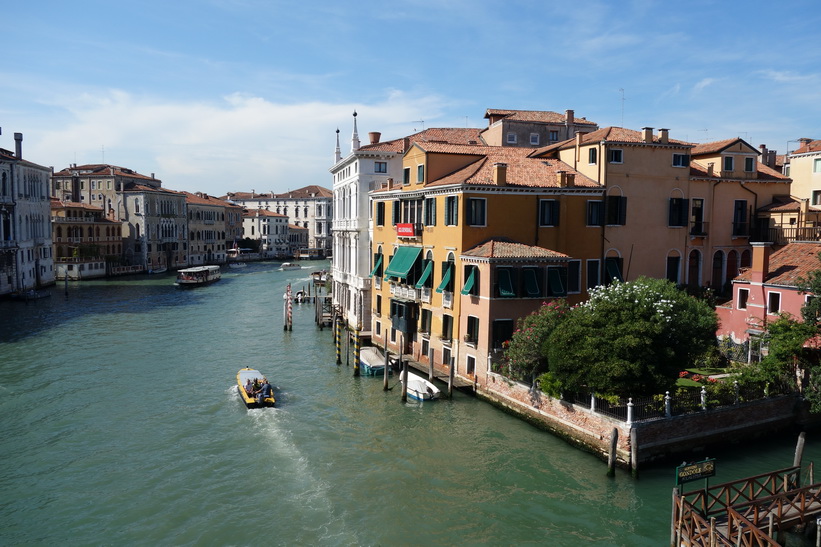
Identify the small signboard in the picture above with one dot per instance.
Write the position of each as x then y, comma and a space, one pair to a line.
694, 471
405, 230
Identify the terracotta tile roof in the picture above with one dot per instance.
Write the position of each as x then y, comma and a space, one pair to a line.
789, 263
609, 134
543, 116
505, 248
522, 170
763, 173
135, 187
785, 204
57, 204
812, 146
7, 154
101, 169
295, 227
434, 134
712, 147
204, 199
312, 191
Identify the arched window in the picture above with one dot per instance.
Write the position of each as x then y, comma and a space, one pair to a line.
717, 279
732, 265
746, 259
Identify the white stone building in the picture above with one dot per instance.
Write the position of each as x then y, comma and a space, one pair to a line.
270, 229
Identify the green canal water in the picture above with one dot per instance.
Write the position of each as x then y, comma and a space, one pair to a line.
121, 425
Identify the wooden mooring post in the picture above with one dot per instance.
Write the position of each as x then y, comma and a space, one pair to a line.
611, 458
404, 369
799, 449
387, 367
357, 348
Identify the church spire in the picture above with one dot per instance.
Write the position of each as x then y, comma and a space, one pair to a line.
337, 152
355, 137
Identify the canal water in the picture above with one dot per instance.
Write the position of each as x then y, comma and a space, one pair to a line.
121, 425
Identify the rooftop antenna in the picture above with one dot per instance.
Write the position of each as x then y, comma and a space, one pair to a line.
420, 122
705, 134
102, 149
621, 90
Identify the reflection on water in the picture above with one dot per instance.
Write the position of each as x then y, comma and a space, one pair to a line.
120, 414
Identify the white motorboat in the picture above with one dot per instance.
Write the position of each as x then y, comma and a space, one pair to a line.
290, 266
421, 389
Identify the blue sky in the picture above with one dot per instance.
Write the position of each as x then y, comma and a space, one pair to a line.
235, 95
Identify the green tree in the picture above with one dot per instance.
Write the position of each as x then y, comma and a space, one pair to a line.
631, 338
811, 312
526, 353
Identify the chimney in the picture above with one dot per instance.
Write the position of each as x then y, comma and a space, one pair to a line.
647, 134
18, 145
763, 149
804, 140
761, 262
569, 117
664, 137
152, 176
571, 180
500, 174
710, 168
374, 136
561, 179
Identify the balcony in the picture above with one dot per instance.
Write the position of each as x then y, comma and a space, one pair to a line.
781, 235
447, 299
426, 294
404, 291
741, 229
699, 228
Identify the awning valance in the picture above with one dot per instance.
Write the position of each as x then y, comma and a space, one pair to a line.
402, 262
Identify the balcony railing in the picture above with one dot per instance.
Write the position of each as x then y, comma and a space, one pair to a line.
447, 299
699, 228
781, 235
741, 229
426, 293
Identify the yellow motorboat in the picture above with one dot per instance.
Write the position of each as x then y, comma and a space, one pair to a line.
254, 400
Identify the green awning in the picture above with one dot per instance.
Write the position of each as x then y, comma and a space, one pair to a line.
402, 262
613, 270
531, 283
470, 281
554, 282
425, 275
505, 283
376, 266
445, 279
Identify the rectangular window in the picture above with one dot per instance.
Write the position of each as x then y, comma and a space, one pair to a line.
574, 277
595, 213
673, 263
774, 303
534, 139
548, 212
681, 160
406, 175
728, 163
592, 156
426, 321
532, 282
511, 138
555, 282
697, 226
381, 167
378, 328
616, 210
749, 165
380, 213
447, 327
395, 212
615, 155
430, 211
554, 136
678, 209
451, 210
740, 227
816, 166
816, 197
472, 335
502, 332
592, 273
505, 284
743, 295
420, 174
476, 211
471, 287
378, 303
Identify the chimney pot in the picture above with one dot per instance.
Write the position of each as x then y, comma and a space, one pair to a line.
374, 137
664, 135
647, 134
761, 261
500, 174
710, 168
561, 178
18, 145
569, 117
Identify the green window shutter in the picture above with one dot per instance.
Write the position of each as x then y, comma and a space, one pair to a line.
471, 280
447, 273
532, 288
377, 267
425, 275
613, 267
555, 287
505, 283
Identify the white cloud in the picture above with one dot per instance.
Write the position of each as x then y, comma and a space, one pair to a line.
236, 143
703, 83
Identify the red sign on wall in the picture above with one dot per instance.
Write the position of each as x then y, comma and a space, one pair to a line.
405, 230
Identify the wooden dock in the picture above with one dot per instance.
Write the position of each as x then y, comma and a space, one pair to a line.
748, 511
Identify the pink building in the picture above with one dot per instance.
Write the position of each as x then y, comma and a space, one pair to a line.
767, 289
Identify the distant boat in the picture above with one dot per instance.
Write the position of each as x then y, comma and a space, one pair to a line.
237, 264
159, 270
30, 294
421, 389
199, 275
290, 266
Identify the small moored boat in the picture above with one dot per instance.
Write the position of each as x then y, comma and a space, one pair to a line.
373, 362
250, 400
421, 389
158, 270
199, 275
